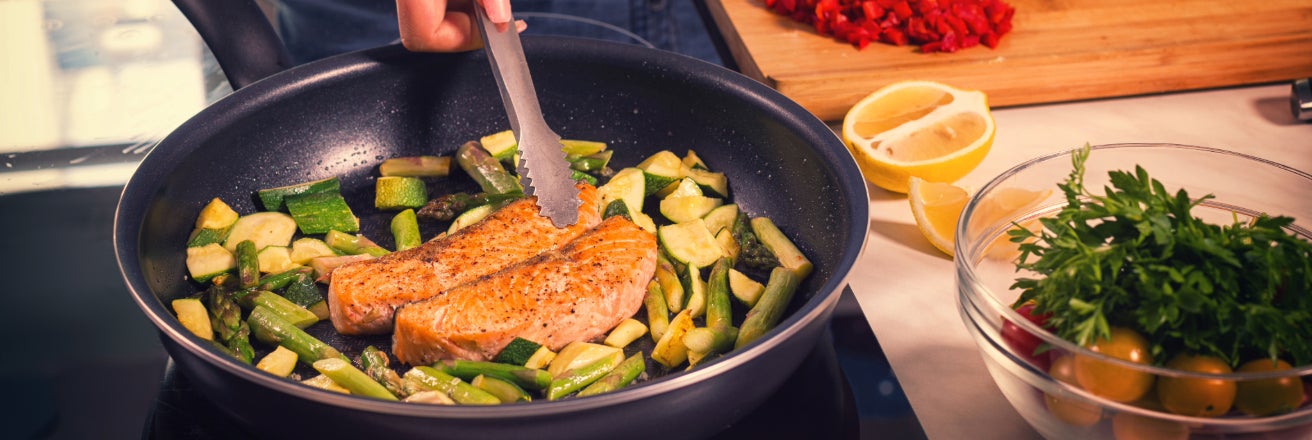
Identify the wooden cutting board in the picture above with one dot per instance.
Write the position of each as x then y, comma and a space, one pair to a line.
1059, 50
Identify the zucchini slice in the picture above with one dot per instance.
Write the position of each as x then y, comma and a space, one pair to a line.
577, 354
279, 362
272, 198
625, 333
627, 184
308, 248
744, 287
262, 228
692, 161
317, 213
690, 243
501, 145
660, 170
712, 183
275, 259
686, 208
395, 193
206, 262
577, 147
670, 350
721, 217
193, 316
216, 215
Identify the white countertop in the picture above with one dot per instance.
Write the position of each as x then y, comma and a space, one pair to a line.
906, 288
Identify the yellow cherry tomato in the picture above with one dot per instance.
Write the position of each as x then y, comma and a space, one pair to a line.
1194, 396
1070, 410
1116, 382
1268, 396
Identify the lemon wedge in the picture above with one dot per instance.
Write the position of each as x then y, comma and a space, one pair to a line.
937, 206
923, 129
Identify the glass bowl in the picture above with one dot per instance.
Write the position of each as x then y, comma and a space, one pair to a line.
1243, 186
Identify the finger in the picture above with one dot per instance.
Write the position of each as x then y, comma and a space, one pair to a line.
498, 11
427, 26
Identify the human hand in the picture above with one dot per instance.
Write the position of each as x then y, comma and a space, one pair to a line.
446, 25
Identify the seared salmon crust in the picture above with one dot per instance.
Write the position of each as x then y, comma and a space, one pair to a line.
363, 296
578, 292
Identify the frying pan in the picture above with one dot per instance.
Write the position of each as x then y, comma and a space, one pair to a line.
342, 115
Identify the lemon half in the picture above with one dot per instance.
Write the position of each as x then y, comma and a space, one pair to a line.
918, 128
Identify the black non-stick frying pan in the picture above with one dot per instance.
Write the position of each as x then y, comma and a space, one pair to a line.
342, 115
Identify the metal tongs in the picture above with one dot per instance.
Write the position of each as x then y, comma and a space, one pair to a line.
542, 168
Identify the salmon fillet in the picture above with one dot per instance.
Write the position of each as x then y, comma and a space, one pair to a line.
575, 293
363, 296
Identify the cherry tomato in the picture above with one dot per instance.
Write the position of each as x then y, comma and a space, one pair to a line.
1071, 410
1269, 396
1194, 396
1116, 382
1128, 426
1023, 342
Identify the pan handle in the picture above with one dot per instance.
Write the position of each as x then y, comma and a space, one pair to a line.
241, 38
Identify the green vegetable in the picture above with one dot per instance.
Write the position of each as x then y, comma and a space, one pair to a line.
416, 166
770, 308
614, 208
517, 352
447, 207
690, 243
470, 217
712, 184
263, 228
501, 145
193, 315
353, 244
405, 230
378, 366
248, 264
278, 305
658, 314
575, 379
619, 377
574, 147
486, 170
751, 252
660, 170
225, 319
305, 293
208, 261
505, 391
1136, 257
272, 329
273, 198
351, 378
590, 163
427, 378
583, 177
317, 213
529, 378
780, 246
283, 279
393, 193
204, 236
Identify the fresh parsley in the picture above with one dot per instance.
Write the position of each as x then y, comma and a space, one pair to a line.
1136, 257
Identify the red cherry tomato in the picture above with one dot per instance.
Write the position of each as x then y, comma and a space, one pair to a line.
1023, 342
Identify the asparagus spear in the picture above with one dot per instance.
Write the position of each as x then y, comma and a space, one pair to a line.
283, 307
505, 391
225, 318
427, 378
719, 334
658, 314
282, 279
377, 365
486, 170
619, 377
767, 311
751, 251
528, 378
271, 329
447, 207
574, 380
351, 378
248, 264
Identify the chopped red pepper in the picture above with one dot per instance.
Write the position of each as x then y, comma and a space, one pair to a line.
934, 25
